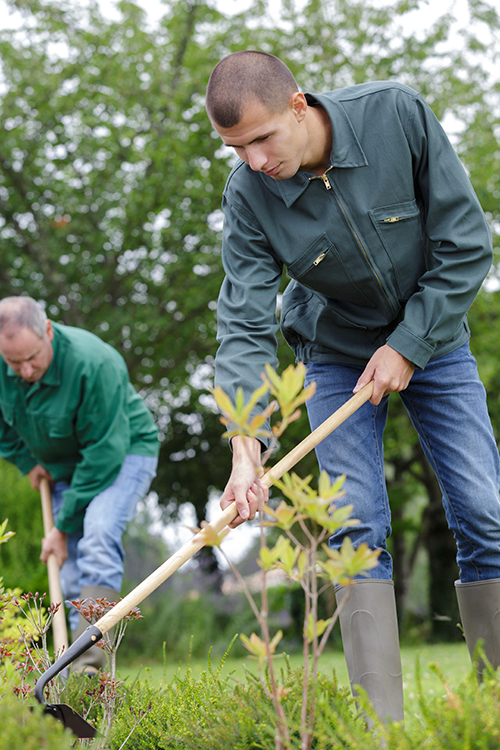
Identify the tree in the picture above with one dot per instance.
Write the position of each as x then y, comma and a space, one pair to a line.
111, 179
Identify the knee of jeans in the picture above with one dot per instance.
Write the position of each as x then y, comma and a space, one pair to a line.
100, 541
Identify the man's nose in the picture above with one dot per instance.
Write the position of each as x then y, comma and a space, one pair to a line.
256, 158
26, 370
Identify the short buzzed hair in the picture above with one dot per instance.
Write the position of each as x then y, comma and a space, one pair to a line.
243, 76
22, 312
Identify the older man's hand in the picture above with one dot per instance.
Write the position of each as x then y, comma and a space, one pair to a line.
36, 475
55, 543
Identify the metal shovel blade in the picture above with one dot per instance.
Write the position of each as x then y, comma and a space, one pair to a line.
61, 711
71, 720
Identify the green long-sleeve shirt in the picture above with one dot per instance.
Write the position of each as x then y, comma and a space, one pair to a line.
79, 421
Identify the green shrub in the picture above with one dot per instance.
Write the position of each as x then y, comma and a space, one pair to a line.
215, 713
23, 728
465, 718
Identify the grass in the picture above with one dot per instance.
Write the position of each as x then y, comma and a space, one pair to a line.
451, 658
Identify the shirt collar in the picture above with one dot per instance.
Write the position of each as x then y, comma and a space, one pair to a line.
346, 149
52, 376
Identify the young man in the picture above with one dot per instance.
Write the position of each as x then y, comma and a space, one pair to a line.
69, 413
359, 194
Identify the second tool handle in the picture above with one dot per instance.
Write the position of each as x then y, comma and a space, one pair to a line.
59, 629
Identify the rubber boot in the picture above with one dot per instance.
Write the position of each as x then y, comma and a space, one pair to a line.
369, 627
95, 658
479, 605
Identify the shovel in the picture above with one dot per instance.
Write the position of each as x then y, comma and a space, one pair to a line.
59, 630
94, 633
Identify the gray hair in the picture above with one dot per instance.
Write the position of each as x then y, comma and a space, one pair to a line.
22, 312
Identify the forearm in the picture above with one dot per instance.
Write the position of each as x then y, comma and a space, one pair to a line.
244, 486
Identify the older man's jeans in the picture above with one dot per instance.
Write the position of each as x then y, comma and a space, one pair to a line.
95, 556
447, 404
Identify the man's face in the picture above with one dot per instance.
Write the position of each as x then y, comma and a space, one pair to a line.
275, 144
26, 353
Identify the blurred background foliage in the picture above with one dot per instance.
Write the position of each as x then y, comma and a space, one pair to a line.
110, 186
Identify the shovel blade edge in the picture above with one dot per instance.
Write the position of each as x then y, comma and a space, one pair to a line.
71, 720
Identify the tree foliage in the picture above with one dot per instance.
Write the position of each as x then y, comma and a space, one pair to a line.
111, 179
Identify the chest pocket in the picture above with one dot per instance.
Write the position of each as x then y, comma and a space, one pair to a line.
43, 429
58, 427
400, 231
322, 269
51, 437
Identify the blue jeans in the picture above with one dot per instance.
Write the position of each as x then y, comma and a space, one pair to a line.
95, 555
447, 404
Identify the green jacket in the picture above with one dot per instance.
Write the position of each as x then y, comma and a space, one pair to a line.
391, 246
79, 421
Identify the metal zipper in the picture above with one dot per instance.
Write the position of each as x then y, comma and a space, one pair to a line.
325, 179
319, 259
328, 186
391, 220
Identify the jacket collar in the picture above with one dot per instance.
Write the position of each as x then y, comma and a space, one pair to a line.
346, 148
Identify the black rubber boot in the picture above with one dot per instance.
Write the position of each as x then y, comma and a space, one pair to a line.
479, 605
369, 627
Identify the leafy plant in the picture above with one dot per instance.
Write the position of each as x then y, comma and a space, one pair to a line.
24, 624
14, 631
306, 519
26, 728
106, 690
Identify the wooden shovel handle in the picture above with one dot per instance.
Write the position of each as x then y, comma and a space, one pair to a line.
189, 549
59, 622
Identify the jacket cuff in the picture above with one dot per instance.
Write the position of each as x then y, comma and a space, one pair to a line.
412, 347
69, 524
25, 464
72, 526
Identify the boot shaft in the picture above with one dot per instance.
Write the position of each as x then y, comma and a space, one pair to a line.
369, 627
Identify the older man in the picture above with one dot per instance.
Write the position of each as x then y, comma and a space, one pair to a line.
70, 413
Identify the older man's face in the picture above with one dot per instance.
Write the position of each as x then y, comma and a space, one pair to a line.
26, 353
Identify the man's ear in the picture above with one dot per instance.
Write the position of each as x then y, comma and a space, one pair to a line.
49, 331
299, 105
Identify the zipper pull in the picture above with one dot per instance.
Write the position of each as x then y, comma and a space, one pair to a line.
391, 220
319, 259
325, 179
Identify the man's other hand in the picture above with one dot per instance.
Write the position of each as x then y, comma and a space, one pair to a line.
54, 543
390, 372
